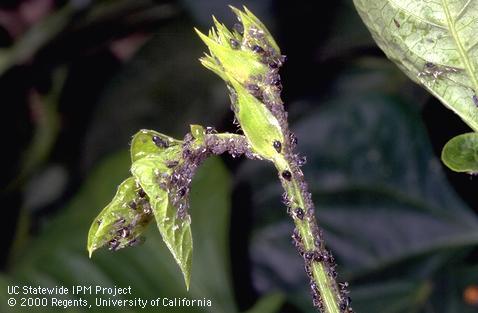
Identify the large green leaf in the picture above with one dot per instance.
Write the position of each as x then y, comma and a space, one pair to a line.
381, 197
175, 230
434, 43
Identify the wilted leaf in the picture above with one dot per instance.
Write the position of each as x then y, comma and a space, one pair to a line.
434, 43
461, 153
122, 221
150, 172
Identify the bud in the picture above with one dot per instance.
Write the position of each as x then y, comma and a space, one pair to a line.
243, 58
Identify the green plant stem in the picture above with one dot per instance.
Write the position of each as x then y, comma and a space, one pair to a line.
329, 296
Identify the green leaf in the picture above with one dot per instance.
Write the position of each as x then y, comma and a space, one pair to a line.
461, 153
434, 43
151, 172
258, 124
146, 142
122, 221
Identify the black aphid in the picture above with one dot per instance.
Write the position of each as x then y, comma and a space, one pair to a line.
475, 100
396, 23
299, 213
161, 143
113, 244
99, 222
171, 164
309, 256
234, 43
277, 145
287, 175
136, 241
133, 205
181, 192
273, 65
141, 193
239, 28
257, 49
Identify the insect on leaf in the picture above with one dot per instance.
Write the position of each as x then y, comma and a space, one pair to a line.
146, 142
461, 153
122, 221
434, 43
151, 172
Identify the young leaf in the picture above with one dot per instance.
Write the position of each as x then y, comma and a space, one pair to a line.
461, 153
147, 142
151, 172
122, 221
434, 43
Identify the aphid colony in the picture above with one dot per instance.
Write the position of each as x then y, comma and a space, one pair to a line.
125, 229
267, 89
436, 71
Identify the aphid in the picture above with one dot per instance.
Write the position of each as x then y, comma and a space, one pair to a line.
273, 65
181, 192
285, 199
475, 100
124, 232
133, 205
301, 160
287, 175
234, 43
239, 28
147, 208
396, 23
318, 257
211, 130
343, 285
136, 241
171, 164
99, 222
119, 222
113, 244
158, 141
141, 193
431, 69
257, 49
277, 145
309, 256
293, 139
299, 213
253, 87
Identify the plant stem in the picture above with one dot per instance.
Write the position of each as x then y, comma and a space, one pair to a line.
319, 263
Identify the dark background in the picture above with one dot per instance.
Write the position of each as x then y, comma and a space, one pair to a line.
78, 78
